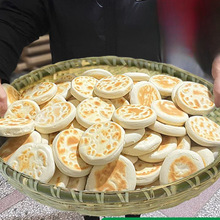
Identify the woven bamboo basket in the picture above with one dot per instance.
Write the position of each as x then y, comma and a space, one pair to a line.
120, 202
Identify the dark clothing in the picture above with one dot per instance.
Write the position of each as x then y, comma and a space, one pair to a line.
149, 29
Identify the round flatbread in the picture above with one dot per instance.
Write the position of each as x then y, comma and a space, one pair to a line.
134, 116
77, 183
55, 99
101, 143
171, 130
137, 76
148, 143
77, 125
82, 87
203, 131
167, 145
165, 83
133, 159
179, 164
206, 155
59, 179
15, 127
66, 153
215, 151
35, 160
94, 110
133, 136
113, 87
168, 113
184, 142
74, 101
63, 89
55, 117
146, 173
175, 88
12, 94
144, 93
115, 176
40, 93
97, 73
119, 102
23, 109
194, 98
13, 143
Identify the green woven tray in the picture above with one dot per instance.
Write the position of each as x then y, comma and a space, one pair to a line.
111, 203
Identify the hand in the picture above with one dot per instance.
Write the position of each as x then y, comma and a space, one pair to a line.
3, 101
216, 77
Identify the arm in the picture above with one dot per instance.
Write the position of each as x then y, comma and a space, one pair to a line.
21, 22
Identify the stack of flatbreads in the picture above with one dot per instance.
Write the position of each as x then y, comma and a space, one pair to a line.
105, 132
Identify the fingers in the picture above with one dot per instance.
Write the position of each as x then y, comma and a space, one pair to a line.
216, 67
3, 101
216, 77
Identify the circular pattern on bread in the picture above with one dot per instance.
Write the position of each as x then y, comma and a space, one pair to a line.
134, 116
101, 143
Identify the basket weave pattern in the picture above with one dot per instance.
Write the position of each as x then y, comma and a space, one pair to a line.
120, 203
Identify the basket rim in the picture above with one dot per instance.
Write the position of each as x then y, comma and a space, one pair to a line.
203, 176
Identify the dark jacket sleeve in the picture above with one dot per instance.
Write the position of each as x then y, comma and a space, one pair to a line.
21, 22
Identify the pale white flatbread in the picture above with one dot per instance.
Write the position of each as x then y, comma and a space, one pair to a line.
171, 130
155, 183
59, 179
203, 131
206, 154
40, 93
184, 142
12, 94
101, 143
168, 113
165, 83
94, 110
23, 109
45, 139
66, 153
133, 136
119, 102
63, 89
97, 73
74, 101
15, 127
179, 164
82, 87
55, 99
77, 125
77, 183
113, 87
144, 93
35, 160
194, 98
173, 94
215, 151
146, 173
138, 76
55, 117
134, 116
13, 143
133, 159
148, 143
167, 145
115, 176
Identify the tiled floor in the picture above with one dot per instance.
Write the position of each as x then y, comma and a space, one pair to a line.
14, 205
